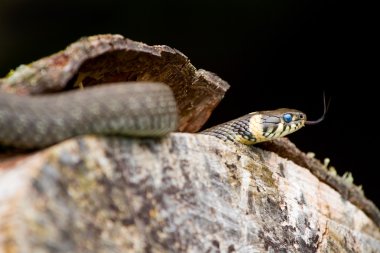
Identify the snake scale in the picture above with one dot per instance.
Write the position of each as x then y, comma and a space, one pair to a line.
137, 109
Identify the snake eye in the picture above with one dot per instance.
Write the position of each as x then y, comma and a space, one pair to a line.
287, 117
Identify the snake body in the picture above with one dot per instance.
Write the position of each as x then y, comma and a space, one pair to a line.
135, 109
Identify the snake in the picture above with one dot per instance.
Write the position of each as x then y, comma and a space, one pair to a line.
138, 109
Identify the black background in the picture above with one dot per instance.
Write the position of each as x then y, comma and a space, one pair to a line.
273, 54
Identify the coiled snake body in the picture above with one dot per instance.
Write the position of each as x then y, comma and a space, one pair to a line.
136, 109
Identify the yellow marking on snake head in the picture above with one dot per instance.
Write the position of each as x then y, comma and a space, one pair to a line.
256, 127
268, 125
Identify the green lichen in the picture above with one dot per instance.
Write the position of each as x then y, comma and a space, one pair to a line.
348, 178
10, 73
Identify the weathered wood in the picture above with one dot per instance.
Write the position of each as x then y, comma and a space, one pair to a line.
184, 193
110, 58
348, 190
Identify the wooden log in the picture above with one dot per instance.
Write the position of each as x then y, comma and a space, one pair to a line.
184, 193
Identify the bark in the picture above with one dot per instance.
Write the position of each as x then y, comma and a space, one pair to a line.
103, 59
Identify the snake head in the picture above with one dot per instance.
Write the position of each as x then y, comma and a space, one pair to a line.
262, 126
273, 124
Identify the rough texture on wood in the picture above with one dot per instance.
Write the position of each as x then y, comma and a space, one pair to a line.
348, 191
112, 58
184, 193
